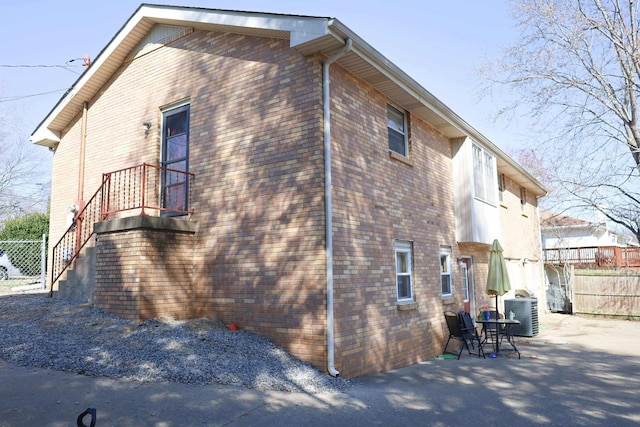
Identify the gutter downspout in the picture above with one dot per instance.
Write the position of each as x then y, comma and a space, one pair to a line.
80, 201
83, 143
326, 100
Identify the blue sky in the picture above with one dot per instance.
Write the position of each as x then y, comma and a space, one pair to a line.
439, 44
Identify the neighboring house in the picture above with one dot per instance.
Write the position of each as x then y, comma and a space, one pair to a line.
571, 242
336, 206
568, 240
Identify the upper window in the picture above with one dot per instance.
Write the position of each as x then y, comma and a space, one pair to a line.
397, 125
445, 270
404, 271
484, 173
501, 186
523, 198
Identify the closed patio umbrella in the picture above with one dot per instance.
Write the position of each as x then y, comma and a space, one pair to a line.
498, 278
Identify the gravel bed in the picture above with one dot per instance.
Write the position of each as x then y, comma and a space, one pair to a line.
43, 332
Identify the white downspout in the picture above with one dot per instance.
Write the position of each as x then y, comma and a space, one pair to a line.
328, 204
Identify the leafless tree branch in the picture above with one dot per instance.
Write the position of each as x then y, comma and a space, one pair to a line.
575, 70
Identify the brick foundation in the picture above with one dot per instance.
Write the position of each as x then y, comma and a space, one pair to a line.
144, 267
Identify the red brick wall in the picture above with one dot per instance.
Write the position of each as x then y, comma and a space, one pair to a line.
378, 199
256, 149
514, 219
479, 253
258, 196
145, 273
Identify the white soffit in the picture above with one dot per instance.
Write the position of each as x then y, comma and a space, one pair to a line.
159, 36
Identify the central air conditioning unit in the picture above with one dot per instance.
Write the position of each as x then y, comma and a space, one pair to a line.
526, 311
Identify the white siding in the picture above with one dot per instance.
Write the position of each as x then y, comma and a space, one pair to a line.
476, 221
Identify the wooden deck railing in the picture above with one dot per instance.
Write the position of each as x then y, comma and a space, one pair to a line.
137, 189
595, 256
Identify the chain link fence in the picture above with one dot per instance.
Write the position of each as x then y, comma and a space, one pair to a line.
23, 263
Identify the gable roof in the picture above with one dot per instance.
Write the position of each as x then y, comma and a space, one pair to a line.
306, 34
550, 220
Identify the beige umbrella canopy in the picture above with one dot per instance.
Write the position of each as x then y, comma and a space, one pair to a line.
498, 278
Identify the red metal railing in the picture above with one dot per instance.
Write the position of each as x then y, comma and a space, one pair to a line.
600, 256
139, 188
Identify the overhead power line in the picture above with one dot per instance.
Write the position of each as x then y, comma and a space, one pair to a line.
32, 66
86, 61
18, 97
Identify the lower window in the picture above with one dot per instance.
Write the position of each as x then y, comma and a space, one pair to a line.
445, 270
404, 275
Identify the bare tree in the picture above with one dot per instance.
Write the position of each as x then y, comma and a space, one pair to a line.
14, 173
21, 187
576, 71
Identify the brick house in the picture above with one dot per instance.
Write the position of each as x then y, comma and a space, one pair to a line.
277, 172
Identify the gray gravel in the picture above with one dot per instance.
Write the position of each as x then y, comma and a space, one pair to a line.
38, 331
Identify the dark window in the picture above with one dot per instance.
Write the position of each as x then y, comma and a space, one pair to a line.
175, 158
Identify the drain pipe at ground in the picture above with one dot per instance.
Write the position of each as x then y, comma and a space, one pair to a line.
328, 204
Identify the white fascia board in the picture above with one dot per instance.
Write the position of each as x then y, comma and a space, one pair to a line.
42, 134
45, 136
301, 28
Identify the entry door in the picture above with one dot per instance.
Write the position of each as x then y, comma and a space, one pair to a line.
175, 157
468, 289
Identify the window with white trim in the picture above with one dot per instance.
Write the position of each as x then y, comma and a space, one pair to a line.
397, 126
484, 174
501, 186
404, 270
465, 281
523, 198
445, 270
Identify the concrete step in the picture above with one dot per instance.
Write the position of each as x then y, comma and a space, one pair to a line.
80, 280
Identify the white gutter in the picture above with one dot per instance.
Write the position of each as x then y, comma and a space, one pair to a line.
328, 209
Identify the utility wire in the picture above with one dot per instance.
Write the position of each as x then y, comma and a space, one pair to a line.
33, 66
18, 97
67, 66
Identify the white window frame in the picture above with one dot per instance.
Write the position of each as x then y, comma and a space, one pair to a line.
523, 199
405, 249
445, 270
464, 272
403, 131
484, 174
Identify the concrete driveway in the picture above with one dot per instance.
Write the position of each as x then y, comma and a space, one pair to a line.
577, 371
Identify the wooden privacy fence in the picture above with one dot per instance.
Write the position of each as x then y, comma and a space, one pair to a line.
607, 292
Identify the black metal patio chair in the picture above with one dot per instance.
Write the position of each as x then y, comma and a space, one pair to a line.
461, 328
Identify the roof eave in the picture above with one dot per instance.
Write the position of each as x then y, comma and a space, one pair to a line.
299, 29
308, 35
426, 106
